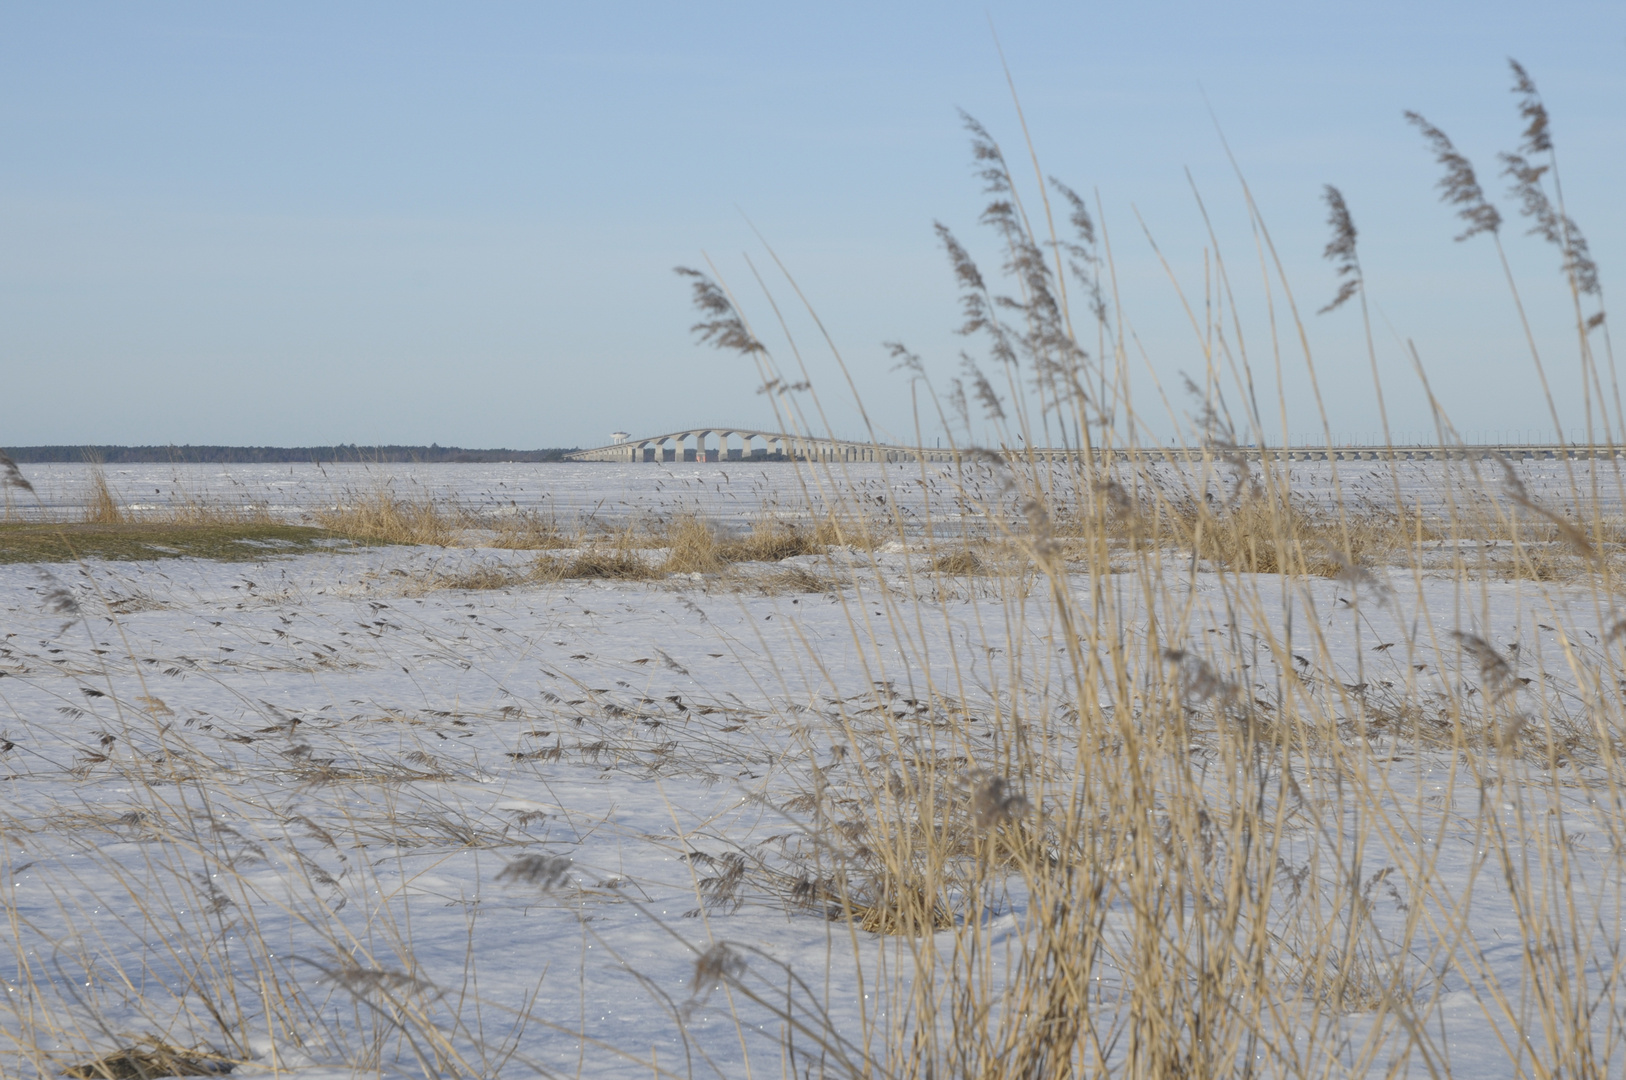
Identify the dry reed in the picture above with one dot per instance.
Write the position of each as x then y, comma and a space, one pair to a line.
381, 516
101, 508
1215, 849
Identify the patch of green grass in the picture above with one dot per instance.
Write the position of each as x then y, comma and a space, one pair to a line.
226, 542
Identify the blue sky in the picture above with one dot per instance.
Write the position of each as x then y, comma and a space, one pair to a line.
315, 223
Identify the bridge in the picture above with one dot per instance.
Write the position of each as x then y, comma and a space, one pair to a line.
754, 445
713, 444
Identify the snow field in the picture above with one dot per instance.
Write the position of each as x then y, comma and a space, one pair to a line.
326, 819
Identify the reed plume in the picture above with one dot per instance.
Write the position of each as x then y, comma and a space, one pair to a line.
1547, 221
11, 476
1459, 186
722, 326
1084, 259
1537, 133
1340, 250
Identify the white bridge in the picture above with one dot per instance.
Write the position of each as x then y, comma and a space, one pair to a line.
753, 445
713, 444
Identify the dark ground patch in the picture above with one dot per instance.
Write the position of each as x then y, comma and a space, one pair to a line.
37, 542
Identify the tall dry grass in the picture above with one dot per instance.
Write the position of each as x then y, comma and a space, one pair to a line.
1215, 873
101, 508
383, 516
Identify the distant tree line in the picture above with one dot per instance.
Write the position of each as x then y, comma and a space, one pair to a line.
116, 455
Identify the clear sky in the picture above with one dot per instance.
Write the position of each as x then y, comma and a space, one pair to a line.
302, 223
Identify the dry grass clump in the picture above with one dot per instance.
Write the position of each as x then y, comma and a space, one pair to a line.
794, 579
609, 565
621, 559
153, 1059
694, 546
381, 516
100, 508
691, 547
1538, 561
961, 563
1282, 536
483, 578
844, 528
900, 908
908, 845
771, 540
599, 562
528, 531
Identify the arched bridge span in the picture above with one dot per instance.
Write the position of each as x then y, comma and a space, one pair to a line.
753, 444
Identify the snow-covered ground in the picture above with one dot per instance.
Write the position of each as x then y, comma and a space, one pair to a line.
320, 814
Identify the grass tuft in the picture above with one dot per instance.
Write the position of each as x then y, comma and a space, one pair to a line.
101, 508
153, 1059
962, 563
381, 516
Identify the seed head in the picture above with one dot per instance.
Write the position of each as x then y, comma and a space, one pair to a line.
1459, 186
